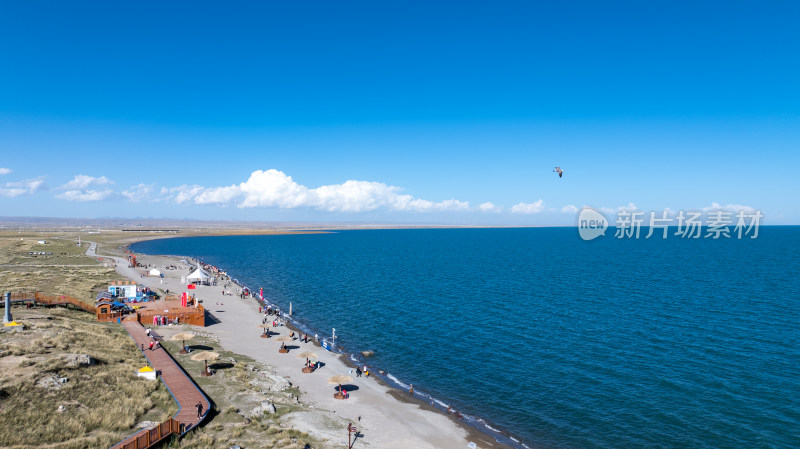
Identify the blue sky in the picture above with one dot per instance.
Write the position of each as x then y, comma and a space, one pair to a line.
407, 112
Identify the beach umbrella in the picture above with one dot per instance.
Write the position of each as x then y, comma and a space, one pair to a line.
284, 339
309, 368
182, 337
339, 380
205, 356
265, 326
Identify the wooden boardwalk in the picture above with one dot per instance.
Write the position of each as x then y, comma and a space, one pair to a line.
38, 298
179, 384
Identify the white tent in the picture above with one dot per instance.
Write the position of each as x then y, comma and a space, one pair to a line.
154, 272
198, 275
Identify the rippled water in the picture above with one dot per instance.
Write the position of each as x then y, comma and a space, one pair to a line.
560, 342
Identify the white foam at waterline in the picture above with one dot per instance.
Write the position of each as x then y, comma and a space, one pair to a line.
480, 420
514, 439
439, 402
397, 381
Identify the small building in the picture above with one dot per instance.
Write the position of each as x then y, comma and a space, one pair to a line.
123, 290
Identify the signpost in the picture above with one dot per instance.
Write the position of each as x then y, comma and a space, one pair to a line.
351, 429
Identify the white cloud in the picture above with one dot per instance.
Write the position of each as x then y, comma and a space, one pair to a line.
80, 182
569, 209
78, 189
86, 195
489, 207
729, 207
27, 186
4, 171
139, 192
183, 193
273, 188
528, 208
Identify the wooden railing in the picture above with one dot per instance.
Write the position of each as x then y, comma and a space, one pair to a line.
194, 317
147, 438
47, 300
23, 296
63, 300
111, 316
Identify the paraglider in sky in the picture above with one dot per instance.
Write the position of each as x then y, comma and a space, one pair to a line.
559, 171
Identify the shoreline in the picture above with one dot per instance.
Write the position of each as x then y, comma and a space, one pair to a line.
475, 427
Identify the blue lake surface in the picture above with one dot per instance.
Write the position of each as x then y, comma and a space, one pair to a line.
559, 342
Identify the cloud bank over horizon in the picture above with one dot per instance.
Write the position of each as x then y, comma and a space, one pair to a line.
274, 189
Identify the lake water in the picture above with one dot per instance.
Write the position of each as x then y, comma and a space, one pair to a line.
558, 342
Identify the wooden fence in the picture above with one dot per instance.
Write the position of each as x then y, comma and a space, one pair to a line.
63, 300
38, 298
193, 316
147, 438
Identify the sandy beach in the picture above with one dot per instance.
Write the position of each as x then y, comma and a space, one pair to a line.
383, 419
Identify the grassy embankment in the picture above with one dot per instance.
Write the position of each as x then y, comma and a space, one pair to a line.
235, 398
103, 402
100, 402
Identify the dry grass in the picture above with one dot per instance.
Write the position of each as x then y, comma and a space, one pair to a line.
66, 272
103, 402
233, 397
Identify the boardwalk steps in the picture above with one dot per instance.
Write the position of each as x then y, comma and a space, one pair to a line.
181, 387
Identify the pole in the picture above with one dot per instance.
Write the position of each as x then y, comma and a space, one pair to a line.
7, 316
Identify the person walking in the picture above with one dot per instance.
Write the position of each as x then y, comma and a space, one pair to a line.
199, 409
148, 331
358, 371
151, 345
411, 390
